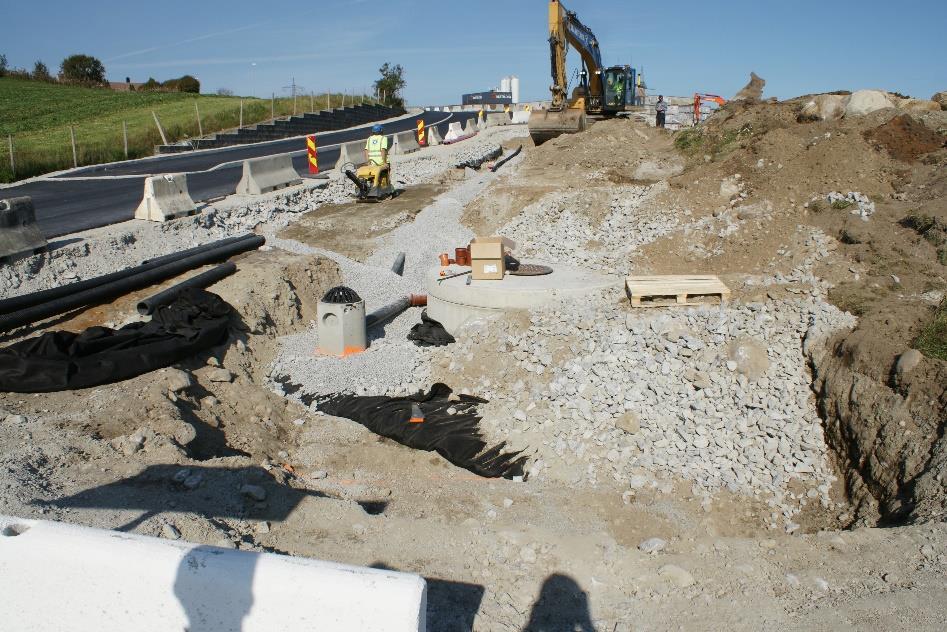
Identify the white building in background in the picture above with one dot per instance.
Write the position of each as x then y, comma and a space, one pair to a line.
511, 84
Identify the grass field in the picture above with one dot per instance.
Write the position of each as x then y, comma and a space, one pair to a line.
38, 117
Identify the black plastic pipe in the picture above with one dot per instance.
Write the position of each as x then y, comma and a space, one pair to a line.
148, 306
398, 266
389, 311
16, 303
124, 285
507, 159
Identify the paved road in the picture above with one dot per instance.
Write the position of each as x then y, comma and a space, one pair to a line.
101, 195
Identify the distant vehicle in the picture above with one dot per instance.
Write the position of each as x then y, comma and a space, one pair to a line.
488, 98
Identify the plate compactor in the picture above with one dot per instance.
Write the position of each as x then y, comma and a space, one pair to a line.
373, 182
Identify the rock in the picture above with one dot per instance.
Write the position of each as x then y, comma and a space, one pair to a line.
753, 91
528, 554
519, 415
225, 543
652, 545
867, 101
263, 527
729, 188
628, 422
178, 380
908, 361
253, 492
507, 502
638, 481
15, 419
319, 474
749, 356
650, 170
193, 481
918, 105
676, 575
170, 532
180, 476
823, 107
220, 376
941, 99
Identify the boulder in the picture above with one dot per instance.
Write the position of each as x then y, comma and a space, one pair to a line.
941, 99
918, 105
823, 107
752, 91
748, 357
867, 101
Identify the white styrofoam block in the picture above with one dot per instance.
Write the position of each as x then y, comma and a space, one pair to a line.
57, 576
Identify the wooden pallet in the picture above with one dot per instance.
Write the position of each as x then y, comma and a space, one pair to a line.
681, 287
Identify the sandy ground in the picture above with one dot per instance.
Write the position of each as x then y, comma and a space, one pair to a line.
166, 454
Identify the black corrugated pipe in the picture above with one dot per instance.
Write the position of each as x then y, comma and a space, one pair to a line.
148, 306
386, 313
131, 283
507, 159
16, 303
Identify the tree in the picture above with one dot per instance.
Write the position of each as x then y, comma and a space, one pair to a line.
391, 84
82, 69
3, 65
187, 83
225, 92
151, 84
41, 72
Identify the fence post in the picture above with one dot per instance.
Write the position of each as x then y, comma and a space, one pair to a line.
294, 102
273, 106
343, 98
200, 128
312, 102
164, 139
328, 100
125, 137
75, 155
12, 163
241, 113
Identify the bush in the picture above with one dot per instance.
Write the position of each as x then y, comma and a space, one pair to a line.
41, 72
3, 65
82, 69
933, 340
187, 83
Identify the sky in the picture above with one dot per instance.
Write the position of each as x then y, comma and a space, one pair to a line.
449, 48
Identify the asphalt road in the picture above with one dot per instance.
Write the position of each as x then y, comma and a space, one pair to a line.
101, 195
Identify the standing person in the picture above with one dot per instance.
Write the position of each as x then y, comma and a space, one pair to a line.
376, 147
662, 108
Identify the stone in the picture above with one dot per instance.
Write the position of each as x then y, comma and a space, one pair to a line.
507, 502
15, 419
676, 575
253, 492
638, 481
319, 474
652, 545
178, 380
628, 422
941, 99
519, 415
263, 527
220, 376
193, 481
750, 358
865, 102
918, 105
170, 532
823, 107
729, 188
908, 361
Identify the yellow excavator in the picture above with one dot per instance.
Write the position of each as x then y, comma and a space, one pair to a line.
601, 93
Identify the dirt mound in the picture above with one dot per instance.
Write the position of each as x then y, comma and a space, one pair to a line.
905, 138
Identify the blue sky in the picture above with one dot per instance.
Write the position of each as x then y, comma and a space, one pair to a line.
449, 47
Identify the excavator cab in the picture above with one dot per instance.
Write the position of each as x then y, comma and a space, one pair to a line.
619, 87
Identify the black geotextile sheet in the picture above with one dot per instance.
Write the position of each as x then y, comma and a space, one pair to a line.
430, 333
60, 360
455, 437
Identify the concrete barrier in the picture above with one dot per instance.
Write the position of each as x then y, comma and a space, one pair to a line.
497, 119
433, 136
520, 118
404, 143
166, 197
470, 129
262, 175
57, 576
19, 233
351, 153
455, 131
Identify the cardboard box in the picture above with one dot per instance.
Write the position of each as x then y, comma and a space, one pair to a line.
487, 256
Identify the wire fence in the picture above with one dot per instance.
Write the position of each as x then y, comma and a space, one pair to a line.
137, 133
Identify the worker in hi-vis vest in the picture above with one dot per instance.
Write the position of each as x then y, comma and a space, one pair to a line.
376, 147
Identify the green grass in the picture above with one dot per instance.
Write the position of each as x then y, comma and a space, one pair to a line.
841, 205
39, 115
695, 140
933, 340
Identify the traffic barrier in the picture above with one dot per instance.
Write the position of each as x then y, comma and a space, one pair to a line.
422, 133
166, 197
104, 581
455, 132
470, 129
262, 175
312, 153
404, 143
19, 233
351, 154
497, 119
433, 137
520, 118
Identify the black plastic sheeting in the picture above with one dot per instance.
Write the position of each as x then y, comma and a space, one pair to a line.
430, 333
60, 360
455, 437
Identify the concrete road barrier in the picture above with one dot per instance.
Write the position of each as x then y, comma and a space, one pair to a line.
58, 576
351, 154
404, 143
520, 118
470, 129
262, 175
497, 119
19, 234
433, 136
166, 197
455, 131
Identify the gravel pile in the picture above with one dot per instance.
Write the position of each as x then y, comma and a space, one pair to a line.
860, 204
717, 395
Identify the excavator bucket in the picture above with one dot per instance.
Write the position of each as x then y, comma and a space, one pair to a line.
545, 124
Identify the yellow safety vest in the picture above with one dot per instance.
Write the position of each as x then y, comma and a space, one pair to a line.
376, 147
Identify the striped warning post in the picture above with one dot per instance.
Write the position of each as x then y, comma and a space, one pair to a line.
422, 134
313, 154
